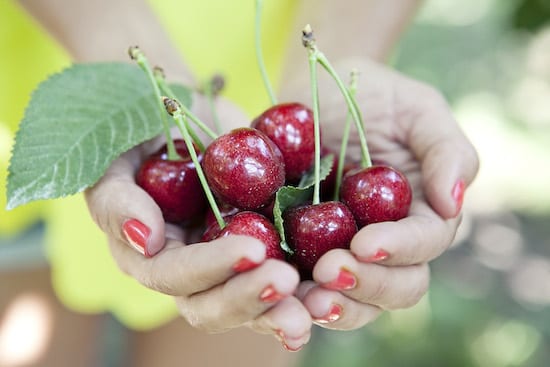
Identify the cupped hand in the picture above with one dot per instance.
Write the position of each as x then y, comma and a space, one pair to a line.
218, 285
410, 127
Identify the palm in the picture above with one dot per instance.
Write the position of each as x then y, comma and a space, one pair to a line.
409, 127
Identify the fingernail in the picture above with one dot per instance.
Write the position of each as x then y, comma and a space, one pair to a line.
292, 349
137, 234
345, 281
380, 255
270, 295
458, 194
244, 264
333, 315
285, 341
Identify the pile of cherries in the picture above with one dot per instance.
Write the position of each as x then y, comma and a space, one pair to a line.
246, 167
231, 186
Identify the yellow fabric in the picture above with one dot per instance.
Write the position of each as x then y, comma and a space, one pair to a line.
27, 56
217, 36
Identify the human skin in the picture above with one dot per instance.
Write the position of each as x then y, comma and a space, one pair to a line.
401, 131
409, 126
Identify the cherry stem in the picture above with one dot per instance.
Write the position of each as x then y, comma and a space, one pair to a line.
211, 91
259, 54
345, 137
316, 124
309, 42
137, 55
173, 107
165, 88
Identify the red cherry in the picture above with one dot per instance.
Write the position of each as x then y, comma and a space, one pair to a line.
313, 230
290, 127
252, 224
226, 210
376, 194
328, 184
244, 168
173, 184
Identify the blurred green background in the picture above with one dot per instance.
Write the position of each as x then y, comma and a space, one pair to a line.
489, 300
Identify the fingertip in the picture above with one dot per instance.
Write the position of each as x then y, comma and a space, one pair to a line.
144, 235
332, 265
249, 247
446, 195
448, 171
304, 288
457, 194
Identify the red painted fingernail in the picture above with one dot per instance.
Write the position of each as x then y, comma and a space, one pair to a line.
243, 265
345, 281
292, 349
137, 234
380, 255
333, 315
270, 295
283, 339
458, 194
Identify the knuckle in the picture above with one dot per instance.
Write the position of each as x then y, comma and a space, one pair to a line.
194, 315
432, 97
379, 290
418, 289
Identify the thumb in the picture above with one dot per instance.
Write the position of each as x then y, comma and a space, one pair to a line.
124, 211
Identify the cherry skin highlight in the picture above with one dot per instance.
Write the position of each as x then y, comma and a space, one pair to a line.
251, 224
173, 184
376, 194
290, 126
313, 230
244, 168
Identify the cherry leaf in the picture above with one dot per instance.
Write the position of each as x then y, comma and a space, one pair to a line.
290, 196
77, 122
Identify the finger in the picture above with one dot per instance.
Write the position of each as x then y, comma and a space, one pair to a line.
416, 239
242, 298
383, 286
184, 270
449, 161
288, 321
124, 211
333, 310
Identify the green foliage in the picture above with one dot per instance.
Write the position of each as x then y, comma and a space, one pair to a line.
532, 15
77, 122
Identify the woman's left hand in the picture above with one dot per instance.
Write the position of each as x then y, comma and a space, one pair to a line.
410, 127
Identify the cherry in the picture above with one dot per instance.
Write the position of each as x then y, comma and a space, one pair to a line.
376, 194
290, 127
226, 210
329, 183
244, 168
252, 224
173, 184
267, 210
313, 230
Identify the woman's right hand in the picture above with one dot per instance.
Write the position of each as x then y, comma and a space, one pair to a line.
218, 285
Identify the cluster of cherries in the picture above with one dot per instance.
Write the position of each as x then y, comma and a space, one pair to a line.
247, 166
230, 187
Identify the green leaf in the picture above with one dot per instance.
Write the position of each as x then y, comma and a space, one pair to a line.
308, 179
77, 122
290, 196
